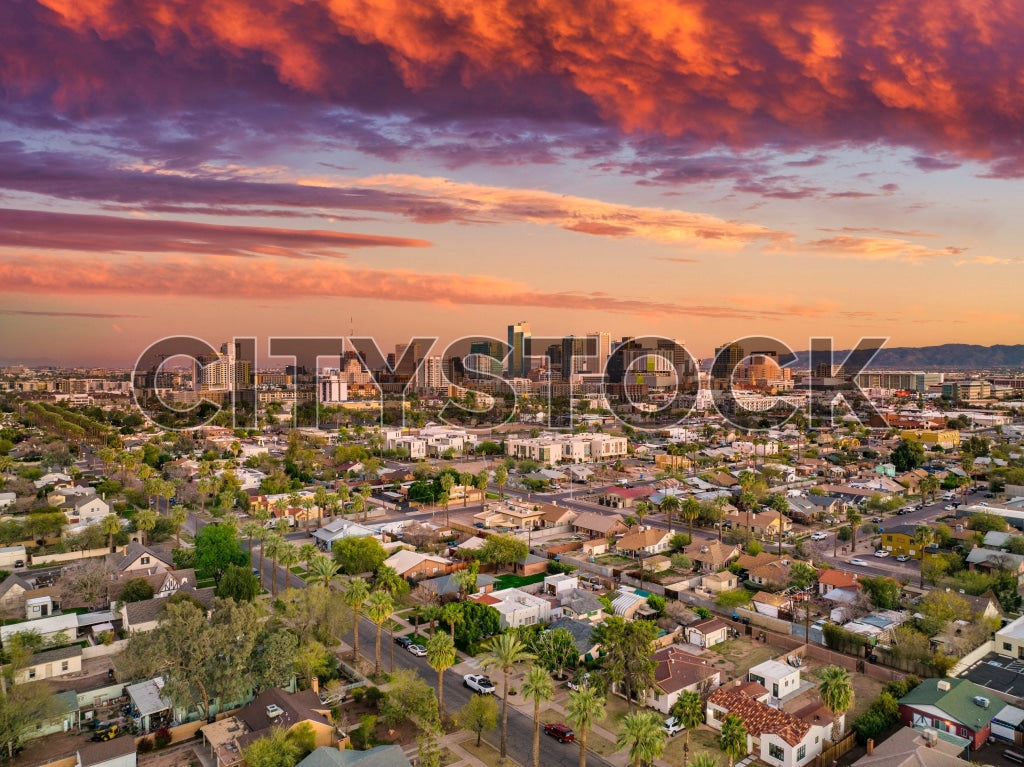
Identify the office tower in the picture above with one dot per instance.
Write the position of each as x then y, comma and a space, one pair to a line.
224, 370
574, 360
407, 360
726, 360
519, 339
433, 377
488, 357
603, 343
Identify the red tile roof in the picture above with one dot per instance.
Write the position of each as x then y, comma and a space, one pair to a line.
837, 578
760, 718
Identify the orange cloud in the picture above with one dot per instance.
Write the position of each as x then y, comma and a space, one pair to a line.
879, 249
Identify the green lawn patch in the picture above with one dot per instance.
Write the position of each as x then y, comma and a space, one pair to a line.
298, 570
735, 598
517, 581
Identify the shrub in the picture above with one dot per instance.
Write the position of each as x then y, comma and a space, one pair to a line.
144, 746
373, 695
162, 738
358, 694
702, 612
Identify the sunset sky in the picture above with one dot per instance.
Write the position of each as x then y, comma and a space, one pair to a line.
699, 170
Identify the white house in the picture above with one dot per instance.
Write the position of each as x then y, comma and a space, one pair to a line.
776, 677
707, 633
678, 671
84, 510
777, 738
517, 608
46, 628
51, 663
337, 529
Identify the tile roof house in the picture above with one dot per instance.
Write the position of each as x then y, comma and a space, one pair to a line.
677, 671
624, 497
829, 580
416, 565
777, 737
711, 557
956, 706
707, 633
644, 541
593, 524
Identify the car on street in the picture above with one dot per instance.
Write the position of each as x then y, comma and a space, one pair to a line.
903, 558
858, 561
672, 726
560, 732
949, 507
478, 683
418, 650
877, 520
819, 536
902, 512
919, 507
403, 641
881, 553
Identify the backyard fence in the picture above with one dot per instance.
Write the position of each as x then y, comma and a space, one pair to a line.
829, 756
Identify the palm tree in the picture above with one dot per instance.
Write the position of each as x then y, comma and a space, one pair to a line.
322, 570
356, 593
440, 656
287, 557
320, 497
836, 691
272, 546
691, 511
733, 738
480, 483
689, 710
853, 518
178, 516
379, 607
111, 525
250, 530
307, 504
586, 706
452, 614
641, 510
500, 478
145, 521
261, 536
307, 553
466, 479
643, 734
505, 652
669, 506
358, 504
538, 687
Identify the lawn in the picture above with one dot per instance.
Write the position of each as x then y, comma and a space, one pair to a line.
740, 654
703, 739
486, 753
518, 581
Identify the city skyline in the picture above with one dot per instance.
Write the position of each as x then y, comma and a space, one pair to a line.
700, 172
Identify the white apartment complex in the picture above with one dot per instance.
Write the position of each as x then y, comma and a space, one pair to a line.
550, 449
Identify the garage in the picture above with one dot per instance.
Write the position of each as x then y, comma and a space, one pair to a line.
1007, 725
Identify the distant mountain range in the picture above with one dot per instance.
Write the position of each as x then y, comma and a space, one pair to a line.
944, 357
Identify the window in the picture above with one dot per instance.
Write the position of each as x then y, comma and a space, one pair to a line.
31, 673
776, 752
1007, 646
144, 561
64, 666
801, 753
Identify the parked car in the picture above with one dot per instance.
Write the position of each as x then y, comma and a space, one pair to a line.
819, 536
901, 512
949, 507
858, 561
672, 726
903, 558
919, 507
877, 520
560, 732
417, 650
403, 641
478, 683
881, 553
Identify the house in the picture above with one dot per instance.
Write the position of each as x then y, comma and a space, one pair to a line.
718, 582
707, 633
987, 560
47, 628
511, 513
777, 737
582, 605
767, 603
12, 594
149, 702
144, 615
51, 479
414, 565
957, 706
270, 709
560, 584
711, 557
765, 524
117, 752
908, 747
137, 558
594, 525
877, 626
1009, 640
829, 580
83, 510
778, 678
529, 565
771, 575
39, 603
983, 605
378, 756
337, 529
676, 671
517, 608
644, 541
51, 663
556, 516
899, 539
626, 602
582, 634
445, 585
624, 497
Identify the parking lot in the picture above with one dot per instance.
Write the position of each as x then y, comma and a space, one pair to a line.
999, 673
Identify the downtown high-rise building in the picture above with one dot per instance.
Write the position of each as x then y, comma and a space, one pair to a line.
520, 342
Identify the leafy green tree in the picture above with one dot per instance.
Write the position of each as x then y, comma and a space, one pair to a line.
275, 749
273, 662
409, 697
441, 656
505, 652
733, 738
538, 688
933, 569
359, 555
836, 691
585, 708
689, 710
642, 734
802, 575
480, 713
556, 650
217, 547
136, 590
628, 646
239, 584
908, 455
503, 550
986, 522
883, 592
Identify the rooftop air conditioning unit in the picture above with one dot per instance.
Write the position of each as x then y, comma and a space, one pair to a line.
931, 737
274, 711
980, 701
943, 685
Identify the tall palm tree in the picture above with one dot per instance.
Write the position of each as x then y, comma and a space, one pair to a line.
111, 525
689, 710
379, 607
733, 738
853, 519
145, 521
307, 553
178, 516
287, 557
505, 652
452, 614
538, 687
923, 535
691, 511
440, 656
466, 479
500, 478
643, 735
641, 510
323, 570
356, 593
836, 691
251, 530
586, 707
307, 504
320, 497
272, 546
261, 535
669, 506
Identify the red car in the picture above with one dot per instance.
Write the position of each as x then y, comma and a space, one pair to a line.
560, 732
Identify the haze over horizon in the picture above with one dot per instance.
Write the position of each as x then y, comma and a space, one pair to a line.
696, 170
